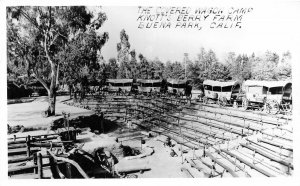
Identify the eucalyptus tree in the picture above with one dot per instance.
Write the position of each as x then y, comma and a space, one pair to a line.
37, 36
123, 55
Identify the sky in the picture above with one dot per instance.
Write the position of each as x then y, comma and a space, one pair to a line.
269, 26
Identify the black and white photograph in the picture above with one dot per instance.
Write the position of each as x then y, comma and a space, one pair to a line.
203, 91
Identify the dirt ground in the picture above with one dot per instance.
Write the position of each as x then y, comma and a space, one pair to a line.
29, 114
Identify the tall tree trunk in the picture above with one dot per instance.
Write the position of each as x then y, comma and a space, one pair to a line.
70, 90
52, 88
82, 91
52, 101
52, 91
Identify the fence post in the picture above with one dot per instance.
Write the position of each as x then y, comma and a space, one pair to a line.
40, 165
35, 163
69, 170
28, 145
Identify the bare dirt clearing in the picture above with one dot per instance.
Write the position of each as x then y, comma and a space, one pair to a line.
29, 114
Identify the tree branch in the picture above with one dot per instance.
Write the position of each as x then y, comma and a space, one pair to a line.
49, 18
40, 11
40, 80
30, 20
54, 38
46, 50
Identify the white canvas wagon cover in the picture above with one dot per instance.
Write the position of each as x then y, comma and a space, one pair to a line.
220, 83
176, 81
266, 83
119, 81
149, 81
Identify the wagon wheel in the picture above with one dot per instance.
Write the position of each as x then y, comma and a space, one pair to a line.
289, 108
205, 100
286, 107
219, 102
272, 107
224, 102
245, 103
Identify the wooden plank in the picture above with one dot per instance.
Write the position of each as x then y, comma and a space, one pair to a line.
18, 169
16, 160
20, 151
195, 129
37, 144
47, 145
131, 134
187, 172
219, 120
35, 139
266, 148
248, 163
131, 138
188, 144
228, 169
208, 165
193, 164
16, 146
206, 124
273, 143
23, 176
21, 168
35, 136
21, 159
276, 136
272, 158
237, 115
189, 136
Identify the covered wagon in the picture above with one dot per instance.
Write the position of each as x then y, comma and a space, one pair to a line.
119, 85
149, 85
179, 87
271, 96
221, 92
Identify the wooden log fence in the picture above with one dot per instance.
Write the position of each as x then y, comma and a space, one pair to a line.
35, 139
42, 136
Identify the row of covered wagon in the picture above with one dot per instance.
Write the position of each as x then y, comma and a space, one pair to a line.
271, 96
176, 87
